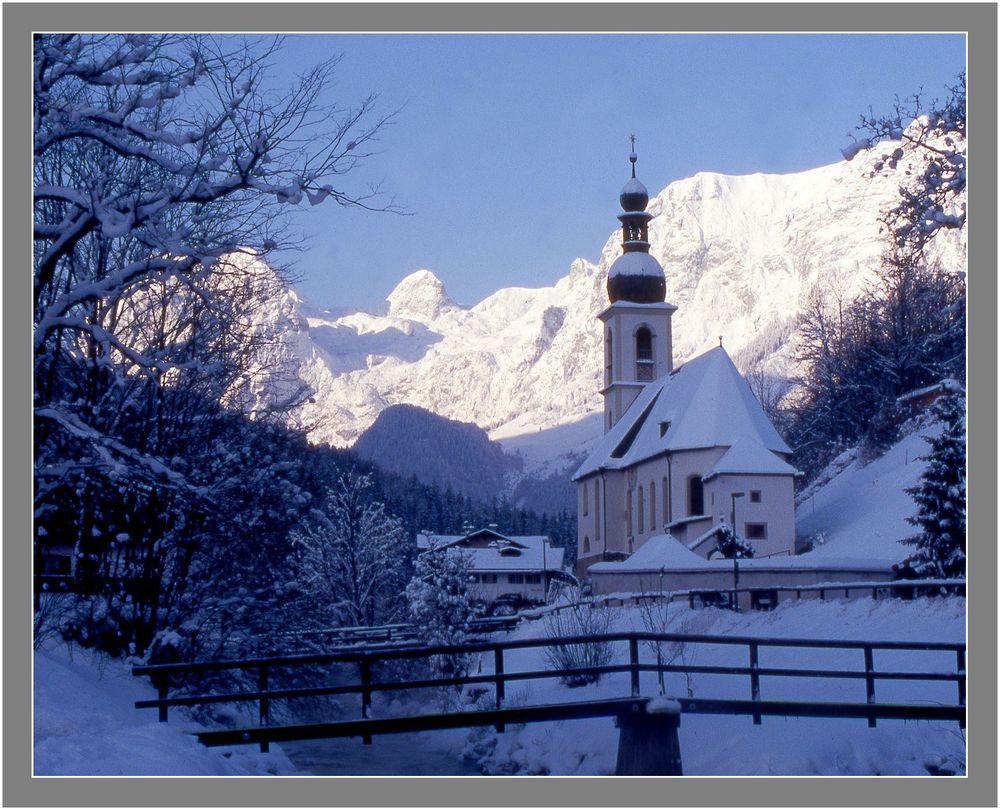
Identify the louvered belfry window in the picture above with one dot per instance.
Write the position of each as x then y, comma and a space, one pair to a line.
644, 354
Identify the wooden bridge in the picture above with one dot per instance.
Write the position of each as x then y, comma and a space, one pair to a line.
648, 742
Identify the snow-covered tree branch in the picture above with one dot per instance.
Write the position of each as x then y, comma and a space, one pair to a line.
351, 556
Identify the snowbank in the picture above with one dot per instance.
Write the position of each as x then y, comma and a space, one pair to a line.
86, 725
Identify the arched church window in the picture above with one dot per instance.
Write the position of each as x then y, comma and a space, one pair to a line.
652, 506
608, 360
641, 513
586, 544
696, 496
643, 353
597, 510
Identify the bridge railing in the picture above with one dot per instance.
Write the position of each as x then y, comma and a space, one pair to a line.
366, 685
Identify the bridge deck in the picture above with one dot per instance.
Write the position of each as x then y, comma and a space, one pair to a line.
578, 710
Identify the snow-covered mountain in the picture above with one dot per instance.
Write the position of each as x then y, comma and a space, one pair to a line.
742, 257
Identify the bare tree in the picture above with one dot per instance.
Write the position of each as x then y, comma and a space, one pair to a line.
163, 172
351, 555
932, 149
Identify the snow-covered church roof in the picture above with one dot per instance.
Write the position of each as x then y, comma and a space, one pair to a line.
636, 263
749, 456
703, 403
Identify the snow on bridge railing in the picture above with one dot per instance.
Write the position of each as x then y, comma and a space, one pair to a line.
366, 686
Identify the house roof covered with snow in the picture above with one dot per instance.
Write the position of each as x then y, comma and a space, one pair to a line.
490, 550
703, 403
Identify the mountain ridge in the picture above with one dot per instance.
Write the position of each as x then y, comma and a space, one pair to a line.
742, 254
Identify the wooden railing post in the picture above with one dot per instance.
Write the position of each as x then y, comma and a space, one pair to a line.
366, 694
869, 682
162, 687
960, 670
499, 681
633, 660
265, 705
754, 681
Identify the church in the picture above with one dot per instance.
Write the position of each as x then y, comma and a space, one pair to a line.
685, 450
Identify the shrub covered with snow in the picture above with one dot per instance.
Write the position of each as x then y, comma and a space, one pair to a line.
579, 619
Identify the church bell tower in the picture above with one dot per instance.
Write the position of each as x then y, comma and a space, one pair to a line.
638, 344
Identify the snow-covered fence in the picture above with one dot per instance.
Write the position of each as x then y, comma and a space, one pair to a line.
762, 598
756, 707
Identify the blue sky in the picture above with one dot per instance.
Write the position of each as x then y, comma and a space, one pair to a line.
510, 150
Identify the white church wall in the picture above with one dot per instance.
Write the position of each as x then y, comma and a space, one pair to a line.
775, 510
622, 320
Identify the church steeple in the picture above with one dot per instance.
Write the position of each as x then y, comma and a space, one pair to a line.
638, 344
635, 276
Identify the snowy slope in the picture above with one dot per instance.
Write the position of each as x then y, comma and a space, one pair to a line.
86, 725
861, 509
742, 256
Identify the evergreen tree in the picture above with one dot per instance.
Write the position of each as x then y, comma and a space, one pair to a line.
731, 545
940, 497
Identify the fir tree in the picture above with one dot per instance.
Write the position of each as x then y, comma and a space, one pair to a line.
731, 545
940, 497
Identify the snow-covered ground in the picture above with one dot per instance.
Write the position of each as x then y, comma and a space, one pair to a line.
85, 722
733, 745
861, 509
86, 725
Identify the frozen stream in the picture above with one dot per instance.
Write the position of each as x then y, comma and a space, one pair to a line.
390, 754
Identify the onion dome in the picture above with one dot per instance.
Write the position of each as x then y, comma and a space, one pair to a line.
634, 196
636, 276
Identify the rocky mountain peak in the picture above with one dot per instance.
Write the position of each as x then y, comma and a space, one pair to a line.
420, 296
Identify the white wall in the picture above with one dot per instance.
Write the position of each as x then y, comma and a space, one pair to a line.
776, 508
623, 320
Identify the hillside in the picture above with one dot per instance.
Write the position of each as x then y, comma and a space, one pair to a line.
860, 509
411, 441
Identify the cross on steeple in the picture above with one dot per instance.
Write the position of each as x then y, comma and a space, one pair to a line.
632, 139
632, 156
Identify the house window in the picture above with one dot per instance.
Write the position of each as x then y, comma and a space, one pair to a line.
515, 579
488, 579
641, 513
755, 531
696, 496
664, 427
643, 354
652, 506
754, 496
533, 579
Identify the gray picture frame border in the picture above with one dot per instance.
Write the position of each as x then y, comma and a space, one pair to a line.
978, 789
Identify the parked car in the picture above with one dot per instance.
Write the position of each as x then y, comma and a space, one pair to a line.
508, 604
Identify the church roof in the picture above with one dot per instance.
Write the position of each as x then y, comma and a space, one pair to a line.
703, 403
749, 456
636, 263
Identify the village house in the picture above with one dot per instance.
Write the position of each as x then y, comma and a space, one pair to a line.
523, 566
